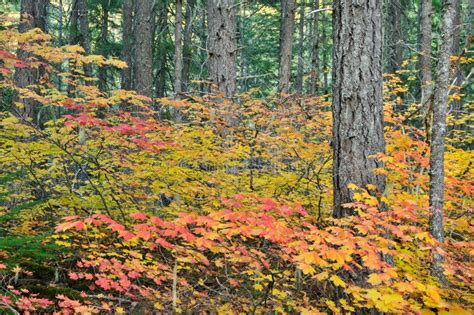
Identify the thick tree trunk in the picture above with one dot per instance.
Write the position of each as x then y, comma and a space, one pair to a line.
187, 48
300, 69
314, 73
104, 40
393, 32
438, 133
357, 98
222, 46
424, 61
34, 14
143, 34
287, 22
127, 42
178, 52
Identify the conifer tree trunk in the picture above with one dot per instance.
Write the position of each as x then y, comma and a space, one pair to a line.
287, 22
162, 32
34, 14
187, 48
438, 134
357, 98
222, 46
178, 52
300, 70
104, 40
314, 73
127, 41
143, 35
393, 33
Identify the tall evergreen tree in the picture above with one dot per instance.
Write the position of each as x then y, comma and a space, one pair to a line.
287, 23
357, 98
222, 46
34, 14
143, 35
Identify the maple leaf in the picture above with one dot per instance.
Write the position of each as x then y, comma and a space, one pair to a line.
337, 281
139, 216
374, 279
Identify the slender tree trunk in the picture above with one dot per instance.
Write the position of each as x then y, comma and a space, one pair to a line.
34, 14
187, 48
424, 63
314, 73
104, 41
80, 33
143, 34
178, 52
393, 33
287, 22
458, 76
438, 133
127, 42
300, 69
222, 46
357, 98
162, 31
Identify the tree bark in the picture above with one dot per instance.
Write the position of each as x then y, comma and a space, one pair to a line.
300, 69
80, 33
287, 22
314, 73
162, 31
393, 33
178, 52
127, 42
438, 134
357, 98
187, 37
104, 41
424, 61
34, 14
222, 46
458, 76
143, 34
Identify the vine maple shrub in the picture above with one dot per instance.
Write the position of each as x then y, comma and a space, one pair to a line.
193, 205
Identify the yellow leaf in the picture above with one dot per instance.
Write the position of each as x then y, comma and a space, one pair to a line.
119, 310
337, 281
258, 287
352, 186
374, 279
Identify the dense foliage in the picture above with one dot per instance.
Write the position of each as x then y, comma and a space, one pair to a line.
119, 204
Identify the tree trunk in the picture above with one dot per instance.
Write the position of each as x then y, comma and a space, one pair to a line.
222, 46
357, 98
104, 41
178, 52
80, 33
458, 77
438, 133
393, 33
143, 34
424, 62
287, 22
127, 42
187, 37
34, 14
162, 31
314, 73
300, 69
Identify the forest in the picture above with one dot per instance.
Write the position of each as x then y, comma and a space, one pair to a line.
236, 157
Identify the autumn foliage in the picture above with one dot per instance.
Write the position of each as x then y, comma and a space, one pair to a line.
202, 204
